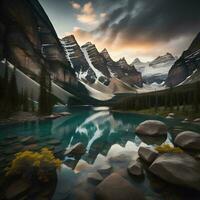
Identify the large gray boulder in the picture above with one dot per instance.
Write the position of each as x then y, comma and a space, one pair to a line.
151, 128
177, 168
147, 154
188, 140
118, 188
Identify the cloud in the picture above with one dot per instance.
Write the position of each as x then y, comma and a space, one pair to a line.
75, 5
87, 15
102, 15
143, 21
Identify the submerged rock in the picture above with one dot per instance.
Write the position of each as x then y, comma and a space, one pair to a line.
135, 169
151, 128
75, 151
177, 168
147, 154
29, 140
188, 140
118, 188
54, 142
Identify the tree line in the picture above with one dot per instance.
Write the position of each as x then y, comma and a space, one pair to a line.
173, 98
13, 99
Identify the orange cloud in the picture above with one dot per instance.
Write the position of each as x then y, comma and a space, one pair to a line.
87, 15
75, 5
146, 51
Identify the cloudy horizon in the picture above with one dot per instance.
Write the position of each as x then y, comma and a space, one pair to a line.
131, 28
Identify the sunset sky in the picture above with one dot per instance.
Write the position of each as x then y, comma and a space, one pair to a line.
128, 28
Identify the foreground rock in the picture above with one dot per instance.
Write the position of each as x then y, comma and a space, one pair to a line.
147, 154
151, 128
118, 188
177, 168
136, 169
75, 151
188, 140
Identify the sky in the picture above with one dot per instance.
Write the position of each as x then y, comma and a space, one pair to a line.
132, 29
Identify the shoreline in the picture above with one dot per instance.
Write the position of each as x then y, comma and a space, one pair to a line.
23, 117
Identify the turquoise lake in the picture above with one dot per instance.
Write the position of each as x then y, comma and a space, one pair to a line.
97, 128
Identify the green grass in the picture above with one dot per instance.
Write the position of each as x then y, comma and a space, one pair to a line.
188, 112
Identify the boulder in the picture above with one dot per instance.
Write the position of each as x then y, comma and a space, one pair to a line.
169, 117
188, 140
17, 189
151, 128
118, 188
94, 178
75, 151
177, 168
135, 169
171, 114
147, 154
197, 120
29, 140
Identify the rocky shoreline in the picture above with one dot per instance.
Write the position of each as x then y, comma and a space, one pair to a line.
21, 117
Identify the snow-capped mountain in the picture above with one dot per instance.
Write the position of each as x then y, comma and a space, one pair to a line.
156, 70
93, 67
186, 68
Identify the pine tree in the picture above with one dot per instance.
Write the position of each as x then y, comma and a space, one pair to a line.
32, 102
12, 96
45, 104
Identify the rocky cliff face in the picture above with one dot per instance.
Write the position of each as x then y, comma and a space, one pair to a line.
122, 70
186, 64
77, 59
29, 41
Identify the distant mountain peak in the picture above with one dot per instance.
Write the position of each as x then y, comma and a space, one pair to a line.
163, 59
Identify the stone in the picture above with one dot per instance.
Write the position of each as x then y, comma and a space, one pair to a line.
197, 120
171, 114
116, 187
177, 168
53, 142
188, 140
32, 147
105, 169
169, 117
65, 113
147, 154
94, 178
151, 128
28, 140
75, 151
135, 169
16, 189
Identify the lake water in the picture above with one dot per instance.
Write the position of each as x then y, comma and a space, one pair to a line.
97, 128
103, 132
